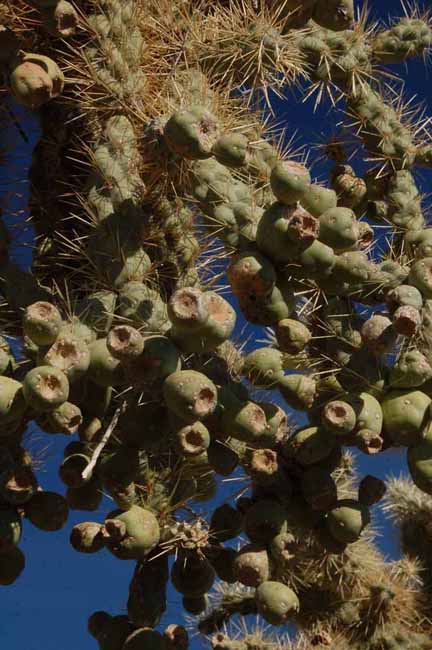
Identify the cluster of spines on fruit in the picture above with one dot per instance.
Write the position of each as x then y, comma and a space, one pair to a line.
164, 171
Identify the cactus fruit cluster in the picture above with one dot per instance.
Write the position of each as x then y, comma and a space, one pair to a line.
158, 184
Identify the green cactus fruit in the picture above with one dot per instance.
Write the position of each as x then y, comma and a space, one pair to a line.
318, 199
251, 274
10, 529
277, 425
350, 189
406, 320
87, 497
276, 602
315, 262
369, 442
217, 328
309, 446
263, 466
143, 307
195, 606
17, 484
378, 334
192, 577
289, 181
245, 421
226, 523
264, 520
222, 459
131, 535
190, 395
403, 295
285, 231
409, 37
110, 632
78, 330
62, 20
87, 537
104, 370
283, 549
371, 490
338, 417
347, 521
369, 412
66, 418
72, 468
123, 494
231, 150
298, 391
12, 564
319, 489
45, 388
420, 276
70, 355
410, 371
47, 510
263, 367
12, 402
192, 439
419, 457
176, 637
192, 133
96, 312
125, 343
339, 229
270, 309
292, 336
35, 79
406, 414
251, 565
187, 309
159, 359
42, 323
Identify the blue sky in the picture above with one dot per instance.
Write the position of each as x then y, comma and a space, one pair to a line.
49, 605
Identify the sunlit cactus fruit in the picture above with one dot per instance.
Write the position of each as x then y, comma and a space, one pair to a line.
283, 549
104, 370
110, 632
45, 388
292, 335
193, 439
61, 20
251, 565
420, 276
12, 564
318, 199
285, 231
42, 322
371, 490
339, 229
338, 417
87, 537
411, 370
406, 415
251, 274
231, 150
70, 355
66, 418
264, 520
187, 309
192, 578
35, 79
131, 534
403, 295
298, 391
192, 132
347, 520
289, 181
276, 602
125, 343
378, 334
190, 395
48, 511
12, 402
245, 421
176, 637
263, 367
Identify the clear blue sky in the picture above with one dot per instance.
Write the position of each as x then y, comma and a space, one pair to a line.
49, 605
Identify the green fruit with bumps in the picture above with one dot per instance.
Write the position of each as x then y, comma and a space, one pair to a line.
406, 415
289, 181
132, 534
276, 602
347, 521
45, 388
190, 395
